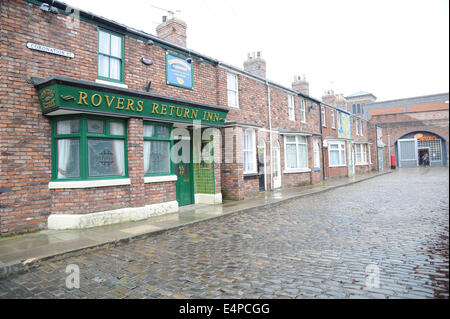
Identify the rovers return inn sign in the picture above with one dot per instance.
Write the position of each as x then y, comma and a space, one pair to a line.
61, 96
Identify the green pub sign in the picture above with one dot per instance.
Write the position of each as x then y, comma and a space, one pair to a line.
59, 96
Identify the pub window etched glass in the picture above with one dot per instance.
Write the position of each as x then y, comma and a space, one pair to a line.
67, 126
68, 158
106, 157
95, 126
157, 157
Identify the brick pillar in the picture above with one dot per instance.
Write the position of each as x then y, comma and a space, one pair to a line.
232, 164
136, 161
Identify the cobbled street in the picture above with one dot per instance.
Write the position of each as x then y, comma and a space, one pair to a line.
329, 245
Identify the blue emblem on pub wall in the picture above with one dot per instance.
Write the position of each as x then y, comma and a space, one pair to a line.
178, 71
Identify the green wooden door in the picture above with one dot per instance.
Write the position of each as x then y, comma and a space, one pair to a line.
185, 194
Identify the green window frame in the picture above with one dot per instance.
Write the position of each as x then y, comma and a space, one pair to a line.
157, 136
102, 54
83, 136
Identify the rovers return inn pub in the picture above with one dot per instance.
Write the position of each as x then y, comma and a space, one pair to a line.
102, 123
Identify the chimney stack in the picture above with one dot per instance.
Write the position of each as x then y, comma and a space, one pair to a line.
255, 64
173, 30
329, 97
300, 84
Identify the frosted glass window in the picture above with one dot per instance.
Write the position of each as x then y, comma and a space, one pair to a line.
106, 157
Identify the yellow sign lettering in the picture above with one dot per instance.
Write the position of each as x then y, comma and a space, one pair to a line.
140, 106
155, 108
119, 104
130, 103
163, 109
99, 99
108, 101
82, 98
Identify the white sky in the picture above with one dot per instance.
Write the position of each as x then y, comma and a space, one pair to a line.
391, 48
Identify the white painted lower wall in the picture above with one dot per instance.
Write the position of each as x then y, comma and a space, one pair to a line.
78, 221
211, 199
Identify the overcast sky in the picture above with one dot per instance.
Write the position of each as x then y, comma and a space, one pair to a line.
391, 48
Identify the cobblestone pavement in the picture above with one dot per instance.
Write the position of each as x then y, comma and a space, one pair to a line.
314, 247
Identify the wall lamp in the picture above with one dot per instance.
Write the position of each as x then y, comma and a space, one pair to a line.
312, 107
47, 8
150, 42
189, 60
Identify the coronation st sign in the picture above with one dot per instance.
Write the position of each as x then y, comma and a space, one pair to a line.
59, 96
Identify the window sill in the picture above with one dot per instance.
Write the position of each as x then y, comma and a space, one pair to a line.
250, 174
158, 179
303, 122
361, 164
333, 166
317, 169
121, 85
297, 170
89, 184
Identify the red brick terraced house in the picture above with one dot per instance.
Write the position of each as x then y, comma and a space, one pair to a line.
101, 123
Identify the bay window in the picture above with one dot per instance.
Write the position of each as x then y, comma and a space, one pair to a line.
157, 146
87, 147
249, 149
296, 150
336, 153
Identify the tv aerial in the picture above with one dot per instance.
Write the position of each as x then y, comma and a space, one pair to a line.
170, 12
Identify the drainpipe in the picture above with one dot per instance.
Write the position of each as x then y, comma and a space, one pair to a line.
321, 141
270, 135
389, 149
376, 147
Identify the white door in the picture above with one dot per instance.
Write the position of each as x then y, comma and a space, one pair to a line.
276, 164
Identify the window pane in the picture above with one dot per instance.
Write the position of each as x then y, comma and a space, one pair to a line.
231, 82
114, 71
232, 98
249, 165
116, 46
95, 126
103, 42
334, 158
106, 157
103, 66
303, 156
163, 131
68, 158
149, 130
68, 127
291, 156
116, 128
334, 146
290, 139
301, 139
342, 157
157, 157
